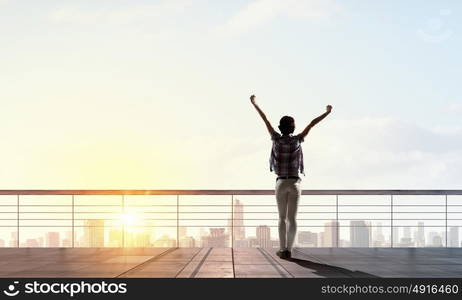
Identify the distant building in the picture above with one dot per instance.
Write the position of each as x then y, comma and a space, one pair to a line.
165, 241
187, 242
435, 239
379, 238
395, 233
253, 242
134, 238
94, 233
405, 242
330, 236
307, 239
236, 224
52, 239
115, 238
31, 243
274, 244
420, 235
67, 241
264, 236
239, 229
359, 234
143, 239
217, 238
454, 237
407, 232
344, 243
182, 231
242, 243
138, 239
14, 239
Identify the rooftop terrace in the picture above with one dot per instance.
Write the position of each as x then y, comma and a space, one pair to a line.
229, 262
90, 220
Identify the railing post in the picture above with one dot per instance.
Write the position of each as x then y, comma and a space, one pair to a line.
446, 218
232, 221
177, 221
17, 222
391, 221
123, 222
73, 233
336, 219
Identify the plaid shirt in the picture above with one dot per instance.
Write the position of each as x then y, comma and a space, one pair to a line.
286, 155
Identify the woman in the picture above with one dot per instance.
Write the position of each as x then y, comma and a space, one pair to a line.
287, 161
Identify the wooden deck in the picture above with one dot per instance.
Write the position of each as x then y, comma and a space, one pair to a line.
232, 263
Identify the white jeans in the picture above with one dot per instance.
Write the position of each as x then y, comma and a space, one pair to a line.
287, 196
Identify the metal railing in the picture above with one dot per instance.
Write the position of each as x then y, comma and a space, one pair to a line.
387, 207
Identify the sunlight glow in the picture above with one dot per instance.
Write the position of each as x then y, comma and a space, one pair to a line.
129, 219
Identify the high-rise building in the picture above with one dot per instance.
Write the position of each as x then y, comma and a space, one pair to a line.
14, 239
378, 240
407, 232
115, 238
420, 235
307, 239
264, 236
67, 241
52, 239
321, 239
434, 239
454, 237
217, 238
330, 237
94, 233
359, 234
395, 239
437, 241
239, 229
182, 231
142, 239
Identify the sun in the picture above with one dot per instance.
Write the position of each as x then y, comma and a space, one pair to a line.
129, 219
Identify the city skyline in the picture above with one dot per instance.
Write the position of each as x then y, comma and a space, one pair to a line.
361, 234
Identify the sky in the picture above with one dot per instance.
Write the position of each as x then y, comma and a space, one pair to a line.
155, 94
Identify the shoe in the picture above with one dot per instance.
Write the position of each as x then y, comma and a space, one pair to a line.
288, 254
282, 254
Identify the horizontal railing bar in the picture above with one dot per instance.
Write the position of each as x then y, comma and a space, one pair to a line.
105, 219
223, 212
228, 212
241, 219
227, 192
227, 205
215, 226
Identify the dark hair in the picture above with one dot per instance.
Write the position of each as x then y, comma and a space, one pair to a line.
287, 125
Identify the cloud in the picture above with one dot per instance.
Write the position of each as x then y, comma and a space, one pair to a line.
259, 12
454, 107
382, 153
122, 15
366, 153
